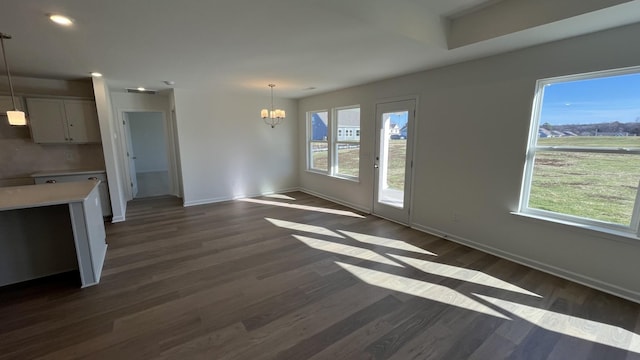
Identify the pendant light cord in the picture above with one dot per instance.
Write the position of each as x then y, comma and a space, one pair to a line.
6, 65
271, 86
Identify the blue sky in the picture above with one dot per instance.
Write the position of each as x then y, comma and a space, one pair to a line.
601, 100
399, 118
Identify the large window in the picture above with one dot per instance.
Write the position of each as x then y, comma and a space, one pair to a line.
334, 142
583, 160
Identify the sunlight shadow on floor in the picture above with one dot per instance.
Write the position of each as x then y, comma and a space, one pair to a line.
303, 207
460, 273
303, 227
382, 241
279, 196
571, 325
419, 288
347, 250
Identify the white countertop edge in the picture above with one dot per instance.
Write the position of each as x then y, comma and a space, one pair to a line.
67, 172
30, 196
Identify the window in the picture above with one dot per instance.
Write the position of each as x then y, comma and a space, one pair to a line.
334, 152
347, 151
318, 142
583, 160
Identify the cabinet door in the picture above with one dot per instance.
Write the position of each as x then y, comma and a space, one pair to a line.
82, 121
47, 121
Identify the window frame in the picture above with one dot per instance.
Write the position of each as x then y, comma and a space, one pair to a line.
335, 165
332, 143
532, 148
310, 142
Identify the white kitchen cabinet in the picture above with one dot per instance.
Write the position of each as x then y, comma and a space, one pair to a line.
69, 176
63, 121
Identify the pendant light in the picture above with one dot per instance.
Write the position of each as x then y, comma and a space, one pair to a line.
272, 116
15, 116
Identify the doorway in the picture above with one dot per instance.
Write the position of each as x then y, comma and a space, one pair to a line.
147, 153
394, 160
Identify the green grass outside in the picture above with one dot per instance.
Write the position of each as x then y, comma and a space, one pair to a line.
595, 186
349, 162
595, 141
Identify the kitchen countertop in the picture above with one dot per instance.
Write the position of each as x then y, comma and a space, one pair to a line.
28, 196
66, 172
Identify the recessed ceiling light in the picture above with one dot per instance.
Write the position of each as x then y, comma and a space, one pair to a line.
96, 74
60, 19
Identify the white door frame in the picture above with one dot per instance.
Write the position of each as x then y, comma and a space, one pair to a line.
169, 132
129, 156
401, 215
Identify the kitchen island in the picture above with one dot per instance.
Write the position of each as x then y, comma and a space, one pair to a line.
51, 228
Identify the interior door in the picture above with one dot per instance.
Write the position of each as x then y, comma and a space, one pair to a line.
394, 159
131, 158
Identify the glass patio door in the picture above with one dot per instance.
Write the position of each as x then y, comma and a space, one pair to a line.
393, 160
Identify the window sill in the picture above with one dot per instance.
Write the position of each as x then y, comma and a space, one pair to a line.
318, 172
339, 177
591, 230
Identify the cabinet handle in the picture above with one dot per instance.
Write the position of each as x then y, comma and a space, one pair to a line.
93, 178
50, 181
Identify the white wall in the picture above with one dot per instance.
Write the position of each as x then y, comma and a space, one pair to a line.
226, 151
472, 128
148, 141
112, 160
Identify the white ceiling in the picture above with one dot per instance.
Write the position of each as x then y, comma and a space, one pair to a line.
297, 44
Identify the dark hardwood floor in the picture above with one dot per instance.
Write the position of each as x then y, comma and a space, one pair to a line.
297, 277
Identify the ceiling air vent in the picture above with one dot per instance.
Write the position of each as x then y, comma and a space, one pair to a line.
145, 91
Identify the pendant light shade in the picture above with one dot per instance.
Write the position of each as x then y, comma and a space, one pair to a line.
15, 116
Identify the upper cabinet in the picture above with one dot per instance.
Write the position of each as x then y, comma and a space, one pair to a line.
56, 121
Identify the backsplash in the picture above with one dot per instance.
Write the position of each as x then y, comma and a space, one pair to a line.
20, 157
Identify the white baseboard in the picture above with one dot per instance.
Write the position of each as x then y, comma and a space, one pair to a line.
235, 197
337, 201
117, 219
206, 201
550, 269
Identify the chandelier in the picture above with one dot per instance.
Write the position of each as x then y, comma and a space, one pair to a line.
272, 116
